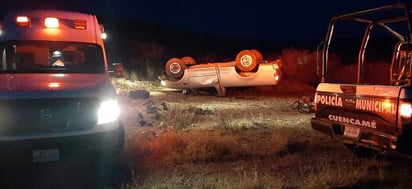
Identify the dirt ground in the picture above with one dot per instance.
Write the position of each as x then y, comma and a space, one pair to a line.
240, 110
256, 114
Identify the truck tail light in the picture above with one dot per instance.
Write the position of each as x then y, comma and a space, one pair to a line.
277, 74
404, 115
51, 22
22, 21
405, 110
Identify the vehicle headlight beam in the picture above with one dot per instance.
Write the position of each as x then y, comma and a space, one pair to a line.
109, 111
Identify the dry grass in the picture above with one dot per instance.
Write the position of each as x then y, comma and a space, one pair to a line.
274, 158
178, 116
243, 179
125, 85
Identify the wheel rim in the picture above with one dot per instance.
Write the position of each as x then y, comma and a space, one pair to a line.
246, 60
175, 68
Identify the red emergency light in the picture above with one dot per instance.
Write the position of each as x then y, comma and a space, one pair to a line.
22, 21
53, 85
80, 24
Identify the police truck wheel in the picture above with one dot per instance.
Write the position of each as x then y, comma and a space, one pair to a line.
246, 61
187, 60
175, 68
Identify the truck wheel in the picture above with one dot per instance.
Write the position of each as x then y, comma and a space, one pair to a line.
139, 94
246, 61
187, 60
175, 68
258, 54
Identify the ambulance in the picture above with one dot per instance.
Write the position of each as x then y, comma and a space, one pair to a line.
56, 97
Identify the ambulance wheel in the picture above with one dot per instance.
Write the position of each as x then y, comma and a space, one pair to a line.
175, 68
187, 60
246, 61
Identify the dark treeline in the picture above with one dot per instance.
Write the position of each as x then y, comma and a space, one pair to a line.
138, 45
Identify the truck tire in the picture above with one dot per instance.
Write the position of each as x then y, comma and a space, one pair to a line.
246, 61
187, 60
175, 68
258, 54
139, 94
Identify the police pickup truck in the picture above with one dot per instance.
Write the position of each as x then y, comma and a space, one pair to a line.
370, 107
56, 98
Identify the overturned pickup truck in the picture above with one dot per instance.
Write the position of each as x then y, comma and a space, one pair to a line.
249, 69
370, 106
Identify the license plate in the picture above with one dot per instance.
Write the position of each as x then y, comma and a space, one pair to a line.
45, 155
351, 132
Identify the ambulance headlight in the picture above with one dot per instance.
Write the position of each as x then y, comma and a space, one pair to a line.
109, 111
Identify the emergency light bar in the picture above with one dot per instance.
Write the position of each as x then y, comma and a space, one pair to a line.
54, 85
22, 21
51, 22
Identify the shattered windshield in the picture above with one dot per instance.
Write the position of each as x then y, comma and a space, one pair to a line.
50, 57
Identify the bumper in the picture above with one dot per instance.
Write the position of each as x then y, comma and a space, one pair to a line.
369, 138
108, 143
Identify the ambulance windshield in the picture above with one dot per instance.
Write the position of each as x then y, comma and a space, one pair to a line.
50, 57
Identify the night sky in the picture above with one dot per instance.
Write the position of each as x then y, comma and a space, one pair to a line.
258, 19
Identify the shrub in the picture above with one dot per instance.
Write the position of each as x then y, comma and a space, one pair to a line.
178, 116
